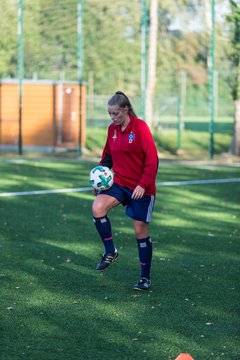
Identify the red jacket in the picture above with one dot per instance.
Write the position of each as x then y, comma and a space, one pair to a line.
132, 154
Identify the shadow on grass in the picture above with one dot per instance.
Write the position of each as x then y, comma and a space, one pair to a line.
62, 308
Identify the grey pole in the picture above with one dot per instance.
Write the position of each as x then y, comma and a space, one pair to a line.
143, 56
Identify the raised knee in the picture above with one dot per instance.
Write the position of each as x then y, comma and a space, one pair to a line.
98, 209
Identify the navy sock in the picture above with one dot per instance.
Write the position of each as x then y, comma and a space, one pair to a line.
145, 256
104, 229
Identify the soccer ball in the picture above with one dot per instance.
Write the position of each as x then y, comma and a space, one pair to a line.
101, 178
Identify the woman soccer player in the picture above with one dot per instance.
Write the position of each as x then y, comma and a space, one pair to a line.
131, 152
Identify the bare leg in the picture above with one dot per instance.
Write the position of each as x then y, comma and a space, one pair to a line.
141, 229
103, 204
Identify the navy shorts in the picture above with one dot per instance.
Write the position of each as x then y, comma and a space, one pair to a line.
137, 209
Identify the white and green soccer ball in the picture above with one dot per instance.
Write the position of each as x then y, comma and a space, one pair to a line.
101, 178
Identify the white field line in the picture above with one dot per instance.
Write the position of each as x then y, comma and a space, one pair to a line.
43, 192
198, 182
83, 189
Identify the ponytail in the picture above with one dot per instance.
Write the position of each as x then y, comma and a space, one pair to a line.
120, 99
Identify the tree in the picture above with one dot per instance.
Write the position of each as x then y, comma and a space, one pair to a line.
234, 20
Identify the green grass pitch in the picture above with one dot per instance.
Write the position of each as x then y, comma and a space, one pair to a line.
53, 304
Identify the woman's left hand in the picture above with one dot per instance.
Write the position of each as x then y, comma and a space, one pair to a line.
138, 192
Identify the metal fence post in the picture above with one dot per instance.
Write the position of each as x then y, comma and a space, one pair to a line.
80, 67
212, 83
20, 71
179, 123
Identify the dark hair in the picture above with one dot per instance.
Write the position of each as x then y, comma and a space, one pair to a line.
120, 99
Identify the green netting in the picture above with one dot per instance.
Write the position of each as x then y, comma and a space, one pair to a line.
112, 54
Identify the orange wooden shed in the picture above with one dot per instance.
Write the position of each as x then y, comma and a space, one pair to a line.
53, 114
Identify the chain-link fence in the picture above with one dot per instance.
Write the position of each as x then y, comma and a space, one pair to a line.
181, 102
